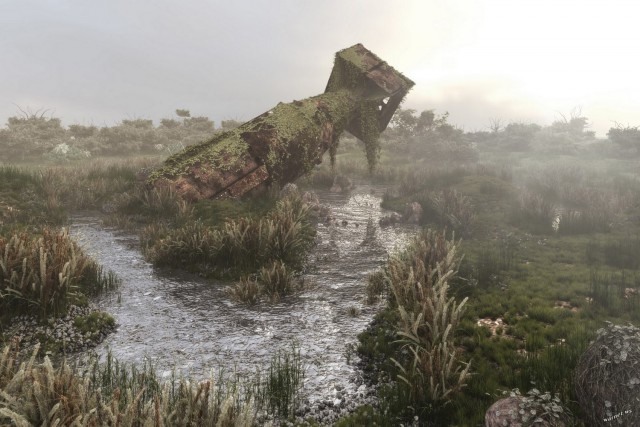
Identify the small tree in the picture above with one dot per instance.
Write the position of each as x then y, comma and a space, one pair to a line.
625, 137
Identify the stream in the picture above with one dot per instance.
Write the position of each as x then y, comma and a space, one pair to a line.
189, 324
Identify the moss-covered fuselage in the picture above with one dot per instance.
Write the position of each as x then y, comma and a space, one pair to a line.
287, 141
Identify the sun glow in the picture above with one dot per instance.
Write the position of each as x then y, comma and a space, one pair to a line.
551, 56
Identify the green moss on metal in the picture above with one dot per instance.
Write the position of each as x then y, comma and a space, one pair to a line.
296, 134
346, 76
223, 152
352, 56
370, 130
302, 121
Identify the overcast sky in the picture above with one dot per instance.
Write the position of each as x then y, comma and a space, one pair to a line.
97, 62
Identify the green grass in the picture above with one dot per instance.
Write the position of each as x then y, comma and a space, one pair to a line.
552, 289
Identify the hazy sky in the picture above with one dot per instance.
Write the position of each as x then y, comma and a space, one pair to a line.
97, 62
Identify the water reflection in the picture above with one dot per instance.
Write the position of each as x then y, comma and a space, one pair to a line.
180, 320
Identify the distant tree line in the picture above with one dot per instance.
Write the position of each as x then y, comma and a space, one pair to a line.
431, 134
34, 136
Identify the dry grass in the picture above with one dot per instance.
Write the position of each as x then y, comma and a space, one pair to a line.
46, 273
240, 245
34, 393
419, 280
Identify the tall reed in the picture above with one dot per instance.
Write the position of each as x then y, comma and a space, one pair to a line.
280, 389
46, 273
239, 245
34, 393
419, 279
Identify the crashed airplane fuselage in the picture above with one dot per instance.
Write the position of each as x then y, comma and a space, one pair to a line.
287, 141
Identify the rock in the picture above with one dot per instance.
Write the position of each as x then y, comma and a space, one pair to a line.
607, 377
520, 411
504, 412
412, 213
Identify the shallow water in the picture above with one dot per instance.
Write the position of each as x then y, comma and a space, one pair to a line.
188, 323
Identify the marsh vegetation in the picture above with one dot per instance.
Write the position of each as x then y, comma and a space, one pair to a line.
530, 242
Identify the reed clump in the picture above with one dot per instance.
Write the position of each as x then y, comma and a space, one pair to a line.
452, 209
376, 287
280, 390
36, 393
534, 212
430, 365
238, 246
273, 281
46, 273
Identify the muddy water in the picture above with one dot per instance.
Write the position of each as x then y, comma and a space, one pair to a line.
185, 322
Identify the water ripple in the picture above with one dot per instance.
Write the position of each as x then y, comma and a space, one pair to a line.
185, 322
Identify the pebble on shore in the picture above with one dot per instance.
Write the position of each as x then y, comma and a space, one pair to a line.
62, 335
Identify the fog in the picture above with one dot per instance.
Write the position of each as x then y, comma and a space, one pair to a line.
344, 259
525, 61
